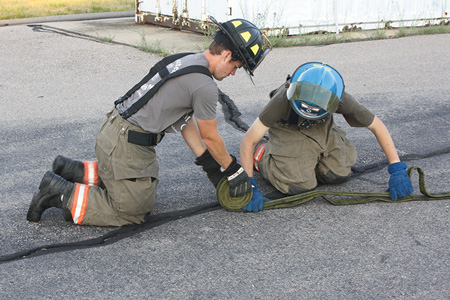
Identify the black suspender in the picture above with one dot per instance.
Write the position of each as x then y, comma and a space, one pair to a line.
161, 68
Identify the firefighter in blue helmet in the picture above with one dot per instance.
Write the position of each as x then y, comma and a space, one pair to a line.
178, 95
305, 146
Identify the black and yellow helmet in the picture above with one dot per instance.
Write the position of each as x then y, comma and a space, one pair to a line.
245, 40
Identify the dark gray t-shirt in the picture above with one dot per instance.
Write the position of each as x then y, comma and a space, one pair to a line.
171, 108
279, 109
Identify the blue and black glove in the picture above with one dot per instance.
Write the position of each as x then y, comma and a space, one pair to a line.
399, 184
237, 179
257, 202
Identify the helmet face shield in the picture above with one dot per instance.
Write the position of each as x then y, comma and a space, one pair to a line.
315, 91
312, 101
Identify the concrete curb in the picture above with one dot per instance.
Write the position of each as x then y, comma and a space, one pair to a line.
75, 17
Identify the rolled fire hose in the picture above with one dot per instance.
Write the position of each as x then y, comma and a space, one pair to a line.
345, 198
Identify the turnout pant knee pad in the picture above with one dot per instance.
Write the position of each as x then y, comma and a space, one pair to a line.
331, 178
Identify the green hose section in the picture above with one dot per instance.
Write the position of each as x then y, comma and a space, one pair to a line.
231, 203
346, 198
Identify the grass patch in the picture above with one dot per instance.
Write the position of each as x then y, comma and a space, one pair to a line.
106, 39
19, 9
332, 38
154, 47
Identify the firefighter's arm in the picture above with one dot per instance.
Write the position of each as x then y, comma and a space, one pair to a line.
253, 135
192, 138
237, 178
214, 142
399, 183
384, 139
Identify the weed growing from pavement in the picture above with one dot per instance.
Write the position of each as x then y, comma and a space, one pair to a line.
106, 39
154, 47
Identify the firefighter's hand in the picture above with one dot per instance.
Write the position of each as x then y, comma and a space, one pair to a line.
257, 202
399, 183
238, 179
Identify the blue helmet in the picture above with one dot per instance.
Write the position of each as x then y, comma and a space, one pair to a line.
315, 90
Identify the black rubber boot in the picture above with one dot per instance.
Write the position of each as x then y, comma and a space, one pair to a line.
210, 166
54, 191
69, 169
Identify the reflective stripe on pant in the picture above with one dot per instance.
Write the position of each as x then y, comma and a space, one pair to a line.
90, 173
79, 203
91, 205
129, 173
259, 152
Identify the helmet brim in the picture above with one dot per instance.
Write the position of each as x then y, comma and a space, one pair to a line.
267, 46
336, 74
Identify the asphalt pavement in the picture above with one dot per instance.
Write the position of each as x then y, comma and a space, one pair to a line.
57, 82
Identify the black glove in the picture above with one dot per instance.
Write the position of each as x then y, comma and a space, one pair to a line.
237, 179
210, 166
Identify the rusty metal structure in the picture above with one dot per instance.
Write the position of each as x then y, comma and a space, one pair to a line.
289, 17
174, 15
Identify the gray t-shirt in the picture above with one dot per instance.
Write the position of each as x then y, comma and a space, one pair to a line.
171, 108
279, 109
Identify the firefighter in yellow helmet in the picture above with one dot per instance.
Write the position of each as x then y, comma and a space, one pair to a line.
178, 95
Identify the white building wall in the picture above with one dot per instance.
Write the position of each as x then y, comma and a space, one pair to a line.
302, 16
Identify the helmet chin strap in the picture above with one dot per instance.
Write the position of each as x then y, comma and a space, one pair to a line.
249, 76
306, 124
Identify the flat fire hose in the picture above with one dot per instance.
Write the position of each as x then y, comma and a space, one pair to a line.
236, 203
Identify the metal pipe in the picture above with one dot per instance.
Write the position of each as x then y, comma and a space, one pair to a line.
336, 16
158, 12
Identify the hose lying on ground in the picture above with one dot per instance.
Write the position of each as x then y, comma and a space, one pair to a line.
236, 203
230, 204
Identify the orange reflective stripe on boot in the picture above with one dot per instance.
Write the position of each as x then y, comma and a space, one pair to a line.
79, 202
258, 155
90, 173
